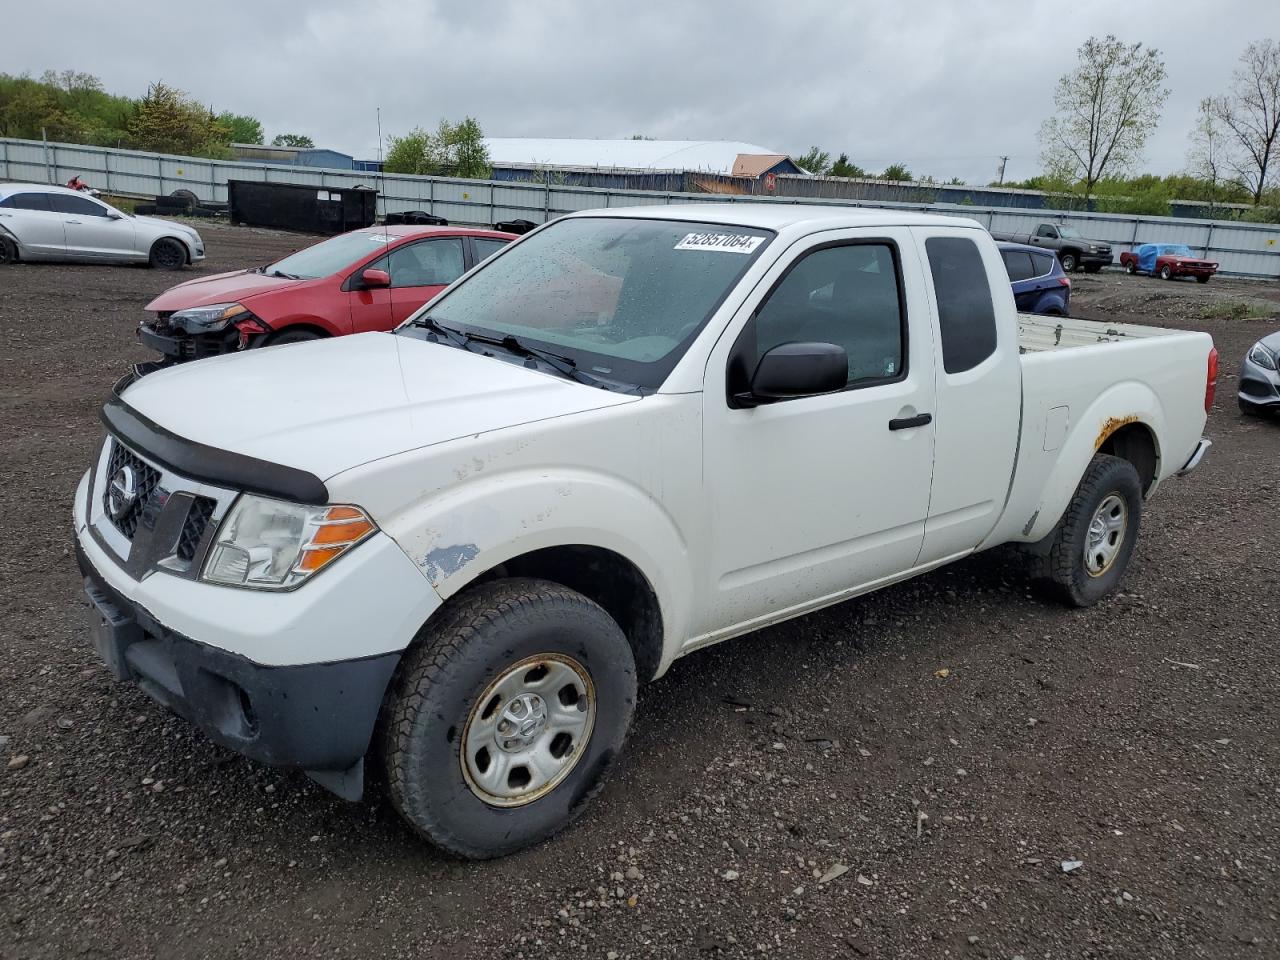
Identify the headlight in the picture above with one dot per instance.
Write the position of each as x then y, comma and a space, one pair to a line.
276, 545
1263, 357
208, 319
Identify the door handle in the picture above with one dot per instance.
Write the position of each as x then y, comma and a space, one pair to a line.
907, 423
71, 221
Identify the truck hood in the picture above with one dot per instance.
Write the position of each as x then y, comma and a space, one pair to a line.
330, 405
235, 287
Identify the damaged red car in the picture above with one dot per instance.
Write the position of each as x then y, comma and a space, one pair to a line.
365, 280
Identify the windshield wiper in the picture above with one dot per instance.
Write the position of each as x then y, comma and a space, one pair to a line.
566, 366
456, 337
286, 276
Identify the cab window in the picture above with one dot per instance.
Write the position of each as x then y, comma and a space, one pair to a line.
848, 295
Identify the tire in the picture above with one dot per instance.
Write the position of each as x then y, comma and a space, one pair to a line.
1110, 483
293, 336
1131, 268
451, 685
189, 200
8, 252
1202, 279
1069, 262
168, 254
1166, 272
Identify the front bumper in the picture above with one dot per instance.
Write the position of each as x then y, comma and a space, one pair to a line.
1258, 385
318, 717
293, 679
1095, 259
177, 347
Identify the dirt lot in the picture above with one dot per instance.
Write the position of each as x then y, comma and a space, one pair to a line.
1141, 737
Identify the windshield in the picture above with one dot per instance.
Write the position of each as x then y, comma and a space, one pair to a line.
621, 298
328, 256
1176, 250
1070, 233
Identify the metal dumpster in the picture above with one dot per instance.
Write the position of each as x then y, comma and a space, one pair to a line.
288, 206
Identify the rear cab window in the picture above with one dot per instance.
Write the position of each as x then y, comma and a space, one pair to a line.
966, 315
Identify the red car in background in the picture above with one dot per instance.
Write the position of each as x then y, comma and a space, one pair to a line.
1168, 261
370, 279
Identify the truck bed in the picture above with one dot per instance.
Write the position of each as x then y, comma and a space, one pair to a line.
1037, 333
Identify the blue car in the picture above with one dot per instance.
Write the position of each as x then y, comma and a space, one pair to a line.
1039, 283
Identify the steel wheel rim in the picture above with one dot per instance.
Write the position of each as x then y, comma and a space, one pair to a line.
1105, 535
528, 730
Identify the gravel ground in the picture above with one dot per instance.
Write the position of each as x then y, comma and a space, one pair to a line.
899, 776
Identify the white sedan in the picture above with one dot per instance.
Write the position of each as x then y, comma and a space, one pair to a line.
40, 222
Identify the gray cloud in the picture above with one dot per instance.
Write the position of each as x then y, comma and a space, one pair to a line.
945, 87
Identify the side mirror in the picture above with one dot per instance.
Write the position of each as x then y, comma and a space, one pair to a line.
114, 215
372, 279
792, 370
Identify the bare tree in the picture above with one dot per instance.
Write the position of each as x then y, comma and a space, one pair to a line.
1207, 157
1250, 114
1107, 108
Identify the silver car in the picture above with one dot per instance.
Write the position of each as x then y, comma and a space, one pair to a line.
1260, 377
40, 222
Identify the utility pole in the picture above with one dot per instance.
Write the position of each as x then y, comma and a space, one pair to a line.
1003, 161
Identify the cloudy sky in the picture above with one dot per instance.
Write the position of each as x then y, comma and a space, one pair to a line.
945, 87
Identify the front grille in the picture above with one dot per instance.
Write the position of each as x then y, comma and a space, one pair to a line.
121, 468
193, 530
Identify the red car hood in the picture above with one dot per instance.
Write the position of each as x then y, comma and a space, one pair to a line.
235, 287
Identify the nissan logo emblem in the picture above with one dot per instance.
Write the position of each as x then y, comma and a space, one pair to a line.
122, 492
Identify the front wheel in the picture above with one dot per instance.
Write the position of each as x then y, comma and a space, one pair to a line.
1094, 540
1068, 262
1166, 272
168, 254
506, 715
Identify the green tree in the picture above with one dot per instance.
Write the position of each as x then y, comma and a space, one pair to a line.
168, 121
1107, 108
817, 161
455, 150
296, 140
844, 168
244, 129
412, 153
896, 171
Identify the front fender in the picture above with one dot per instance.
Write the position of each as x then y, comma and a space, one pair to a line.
1118, 406
489, 519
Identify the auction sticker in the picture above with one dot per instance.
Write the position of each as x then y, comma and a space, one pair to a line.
720, 242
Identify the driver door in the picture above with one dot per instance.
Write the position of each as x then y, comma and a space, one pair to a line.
810, 500
91, 232
418, 272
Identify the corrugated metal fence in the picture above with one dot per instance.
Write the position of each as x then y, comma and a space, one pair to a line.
1243, 249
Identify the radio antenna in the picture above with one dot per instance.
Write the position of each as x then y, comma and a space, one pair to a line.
386, 232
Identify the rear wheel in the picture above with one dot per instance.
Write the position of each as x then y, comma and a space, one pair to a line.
1166, 272
168, 254
506, 715
1069, 262
1093, 542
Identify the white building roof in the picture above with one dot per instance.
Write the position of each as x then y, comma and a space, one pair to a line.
707, 156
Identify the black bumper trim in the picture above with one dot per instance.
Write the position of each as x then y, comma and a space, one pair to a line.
211, 464
315, 717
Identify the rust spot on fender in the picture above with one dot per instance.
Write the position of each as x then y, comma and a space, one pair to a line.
1110, 426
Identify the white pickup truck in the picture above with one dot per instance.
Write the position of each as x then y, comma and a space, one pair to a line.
458, 547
